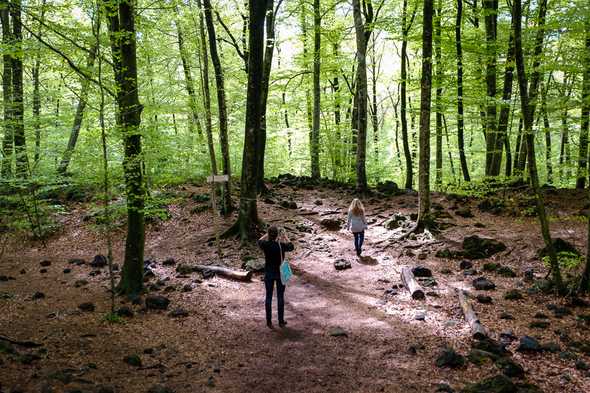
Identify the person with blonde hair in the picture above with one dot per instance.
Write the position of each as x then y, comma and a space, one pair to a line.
357, 223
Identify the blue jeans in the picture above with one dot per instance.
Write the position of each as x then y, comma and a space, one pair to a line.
269, 283
359, 238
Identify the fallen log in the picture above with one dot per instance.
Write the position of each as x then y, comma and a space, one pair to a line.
478, 330
25, 344
225, 272
411, 284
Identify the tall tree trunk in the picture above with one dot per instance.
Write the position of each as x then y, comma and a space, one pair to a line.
425, 101
403, 115
315, 131
490, 8
36, 91
583, 152
79, 116
18, 108
439, 80
227, 206
547, 131
585, 123
449, 147
374, 105
8, 141
502, 130
121, 24
204, 70
248, 213
460, 116
337, 116
527, 100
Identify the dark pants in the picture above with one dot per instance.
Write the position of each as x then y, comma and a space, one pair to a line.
359, 237
269, 283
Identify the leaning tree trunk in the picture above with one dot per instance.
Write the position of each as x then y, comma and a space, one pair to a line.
490, 8
528, 108
221, 106
403, 103
121, 23
425, 100
439, 77
8, 141
315, 130
79, 116
460, 111
18, 108
268, 55
583, 153
585, 281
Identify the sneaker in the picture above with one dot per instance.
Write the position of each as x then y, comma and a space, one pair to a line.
283, 324
269, 325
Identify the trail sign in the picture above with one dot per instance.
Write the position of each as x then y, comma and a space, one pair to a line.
217, 178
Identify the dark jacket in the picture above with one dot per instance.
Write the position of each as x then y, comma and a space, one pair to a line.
273, 256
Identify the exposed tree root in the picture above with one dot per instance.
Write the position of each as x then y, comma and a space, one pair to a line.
25, 344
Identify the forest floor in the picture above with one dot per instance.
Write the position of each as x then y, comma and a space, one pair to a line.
354, 330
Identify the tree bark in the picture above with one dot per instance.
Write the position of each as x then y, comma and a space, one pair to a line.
18, 108
227, 205
8, 141
315, 131
528, 107
425, 101
460, 111
79, 116
583, 152
36, 92
121, 24
547, 131
490, 8
403, 103
439, 80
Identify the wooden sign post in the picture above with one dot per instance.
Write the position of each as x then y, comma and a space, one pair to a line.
214, 179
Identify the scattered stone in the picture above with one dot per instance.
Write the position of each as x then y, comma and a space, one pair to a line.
342, 264
421, 271
579, 302
464, 212
38, 295
42, 271
94, 273
449, 358
178, 313
87, 306
475, 247
303, 227
492, 205
528, 344
422, 256
566, 355
427, 282
513, 294
420, 315
133, 360
540, 315
490, 266
582, 365
184, 269
331, 224
45, 263
76, 261
529, 275
187, 288
483, 284
160, 389
497, 384
505, 271
444, 388
318, 202
465, 264
169, 262
552, 347
479, 357
254, 265
23, 271
99, 261
67, 270
510, 368
484, 299
170, 288
539, 324
491, 346
506, 316
156, 302
338, 332
388, 188
125, 311
559, 311
287, 204
507, 336
469, 272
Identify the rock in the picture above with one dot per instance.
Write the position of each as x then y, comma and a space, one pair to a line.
99, 261
540, 315
331, 224
254, 265
513, 294
510, 368
42, 271
449, 358
581, 365
484, 299
169, 262
497, 384
38, 295
505, 271
475, 247
303, 227
184, 269
187, 288
559, 245
76, 261
464, 212
420, 315
559, 311
506, 316
125, 311
552, 347
338, 332
492, 205
94, 273
105, 389
579, 302
45, 263
288, 204
318, 202
388, 188
490, 266
87, 306
67, 270
483, 284
479, 357
427, 282
491, 346
421, 271
469, 272
178, 313
566, 355
160, 389
342, 264
465, 264
528, 344
133, 360
529, 275
539, 324
422, 256
444, 388
156, 302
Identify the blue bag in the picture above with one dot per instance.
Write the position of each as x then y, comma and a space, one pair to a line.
286, 272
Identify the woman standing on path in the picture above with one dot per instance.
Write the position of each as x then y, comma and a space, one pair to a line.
357, 223
274, 247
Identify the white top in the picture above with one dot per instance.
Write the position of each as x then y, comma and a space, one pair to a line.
356, 223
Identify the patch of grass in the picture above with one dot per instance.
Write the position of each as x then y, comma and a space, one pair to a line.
113, 318
567, 260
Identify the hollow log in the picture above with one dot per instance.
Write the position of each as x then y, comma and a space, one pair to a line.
225, 272
478, 330
411, 284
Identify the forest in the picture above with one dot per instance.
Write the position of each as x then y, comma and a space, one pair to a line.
146, 145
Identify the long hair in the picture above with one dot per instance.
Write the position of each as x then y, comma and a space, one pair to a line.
356, 207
